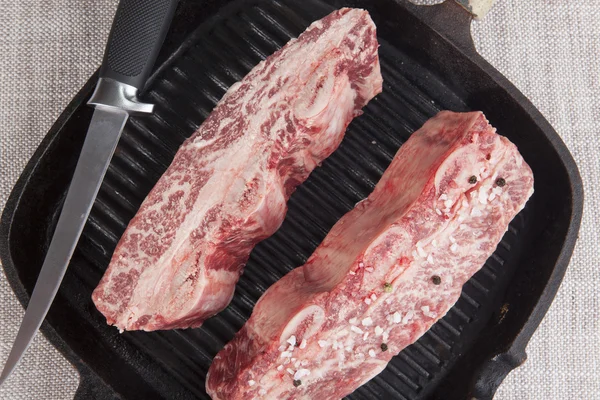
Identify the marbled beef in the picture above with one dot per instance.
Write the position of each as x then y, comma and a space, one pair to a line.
182, 254
385, 273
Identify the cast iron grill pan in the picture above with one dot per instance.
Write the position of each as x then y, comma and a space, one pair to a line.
452, 360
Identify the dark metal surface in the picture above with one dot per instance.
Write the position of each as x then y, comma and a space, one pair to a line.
428, 63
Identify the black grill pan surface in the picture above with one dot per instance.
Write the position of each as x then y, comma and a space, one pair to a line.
428, 64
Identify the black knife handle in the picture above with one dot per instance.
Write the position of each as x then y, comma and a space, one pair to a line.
136, 36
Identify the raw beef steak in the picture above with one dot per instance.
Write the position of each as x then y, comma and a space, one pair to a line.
182, 254
386, 272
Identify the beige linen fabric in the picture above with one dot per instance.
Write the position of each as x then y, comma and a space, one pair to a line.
548, 48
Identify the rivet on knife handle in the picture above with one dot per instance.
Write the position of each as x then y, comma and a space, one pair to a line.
137, 34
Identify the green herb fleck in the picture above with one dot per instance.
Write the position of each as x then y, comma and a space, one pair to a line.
384, 347
473, 180
500, 182
436, 280
387, 287
297, 382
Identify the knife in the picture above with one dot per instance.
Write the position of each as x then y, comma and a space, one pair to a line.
138, 31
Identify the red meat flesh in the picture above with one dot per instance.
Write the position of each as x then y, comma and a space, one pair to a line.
182, 254
386, 272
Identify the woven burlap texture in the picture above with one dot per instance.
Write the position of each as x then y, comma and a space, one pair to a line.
548, 49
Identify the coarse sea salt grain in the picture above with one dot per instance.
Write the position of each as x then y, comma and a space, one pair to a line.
430, 259
366, 335
286, 354
292, 340
352, 273
301, 373
396, 317
367, 301
361, 264
421, 252
438, 211
483, 196
353, 321
443, 197
378, 330
303, 344
427, 312
452, 240
356, 329
385, 336
251, 382
454, 247
290, 371
279, 367
373, 297
372, 353
367, 321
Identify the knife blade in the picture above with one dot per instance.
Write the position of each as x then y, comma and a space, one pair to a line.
138, 31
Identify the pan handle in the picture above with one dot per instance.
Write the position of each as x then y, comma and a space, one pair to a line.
451, 21
477, 8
